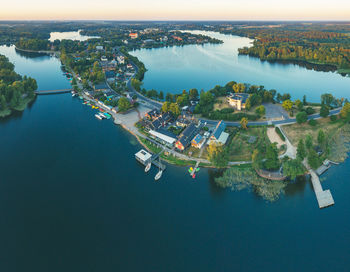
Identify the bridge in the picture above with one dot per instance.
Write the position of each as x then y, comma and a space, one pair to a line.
53, 91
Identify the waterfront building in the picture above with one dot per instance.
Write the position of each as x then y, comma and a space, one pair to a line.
219, 135
143, 156
238, 100
198, 141
163, 137
186, 137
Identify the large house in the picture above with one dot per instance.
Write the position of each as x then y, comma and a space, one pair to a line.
133, 35
186, 137
238, 100
219, 135
198, 141
100, 87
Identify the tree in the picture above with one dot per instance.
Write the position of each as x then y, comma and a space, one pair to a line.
256, 159
321, 137
166, 106
217, 155
238, 88
324, 112
308, 141
313, 159
123, 104
345, 111
169, 97
194, 94
136, 84
271, 162
304, 100
293, 168
328, 99
301, 151
3, 104
161, 95
287, 105
299, 104
301, 117
244, 123
260, 110
175, 109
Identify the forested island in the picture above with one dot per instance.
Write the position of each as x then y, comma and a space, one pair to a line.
15, 91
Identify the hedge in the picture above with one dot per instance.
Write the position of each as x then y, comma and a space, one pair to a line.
279, 132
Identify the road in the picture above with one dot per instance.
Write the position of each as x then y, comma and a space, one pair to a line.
265, 123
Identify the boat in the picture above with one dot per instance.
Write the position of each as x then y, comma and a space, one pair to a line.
101, 115
148, 166
159, 175
98, 117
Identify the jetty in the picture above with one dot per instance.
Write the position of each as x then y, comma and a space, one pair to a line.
145, 158
53, 91
324, 198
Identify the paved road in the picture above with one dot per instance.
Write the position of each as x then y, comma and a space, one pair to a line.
152, 103
264, 123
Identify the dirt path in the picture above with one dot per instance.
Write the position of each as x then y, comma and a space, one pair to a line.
274, 138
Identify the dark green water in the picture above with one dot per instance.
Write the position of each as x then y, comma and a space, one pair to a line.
73, 198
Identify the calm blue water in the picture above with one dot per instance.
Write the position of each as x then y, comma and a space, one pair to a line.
73, 198
174, 69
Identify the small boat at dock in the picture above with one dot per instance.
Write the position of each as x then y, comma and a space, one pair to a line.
98, 116
148, 167
159, 175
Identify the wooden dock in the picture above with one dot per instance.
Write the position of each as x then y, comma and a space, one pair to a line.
324, 198
53, 91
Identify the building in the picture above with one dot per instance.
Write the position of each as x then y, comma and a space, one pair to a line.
219, 135
99, 47
143, 157
104, 58
133, 35
198, 141
238, 100
163, 137
100, 87
153, 114
182, 122
186, 137
177, 38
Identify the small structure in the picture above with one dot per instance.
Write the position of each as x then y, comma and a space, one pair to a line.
182, 122
99, 47
143, 157
238, 100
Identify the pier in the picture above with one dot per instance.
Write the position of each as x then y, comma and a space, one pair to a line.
145, 158
53, 91
324, 198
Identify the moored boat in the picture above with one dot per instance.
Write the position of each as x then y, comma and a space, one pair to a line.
148, 167
159, 175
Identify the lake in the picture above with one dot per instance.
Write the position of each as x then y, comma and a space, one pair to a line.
73, 198
174, 69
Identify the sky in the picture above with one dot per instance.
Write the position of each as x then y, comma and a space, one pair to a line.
175, 10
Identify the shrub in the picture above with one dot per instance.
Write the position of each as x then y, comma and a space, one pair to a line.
309, 111
333, 118
301, 117
313, 122
279, 132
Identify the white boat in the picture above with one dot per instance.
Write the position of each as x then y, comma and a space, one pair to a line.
159, 175
98, 117
148, 166
102, 115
